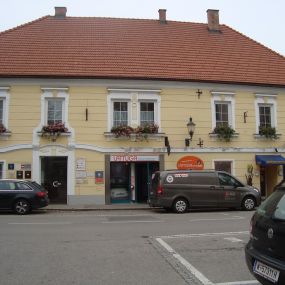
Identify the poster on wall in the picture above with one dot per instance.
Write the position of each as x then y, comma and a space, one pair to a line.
80, 164
190, 163
99, 177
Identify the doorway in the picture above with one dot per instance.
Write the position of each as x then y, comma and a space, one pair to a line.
144, 171
54, 178
268, 179
120, 182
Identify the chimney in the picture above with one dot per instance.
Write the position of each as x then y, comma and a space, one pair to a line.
60, 12
162, 16
213, 20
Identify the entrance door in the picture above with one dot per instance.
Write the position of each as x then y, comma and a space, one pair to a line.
54, 178
144, 171
120, 182
263, 181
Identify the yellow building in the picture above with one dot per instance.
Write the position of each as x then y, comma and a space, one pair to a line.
68, 85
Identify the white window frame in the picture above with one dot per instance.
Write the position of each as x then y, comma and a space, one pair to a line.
133, 97
269, 100
111, 98
62, 109
150, 98
5, 97
223, 98
54, 94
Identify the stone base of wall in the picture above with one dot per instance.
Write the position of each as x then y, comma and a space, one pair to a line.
74, 200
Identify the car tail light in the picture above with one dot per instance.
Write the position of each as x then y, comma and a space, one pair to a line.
41, 194
159, 190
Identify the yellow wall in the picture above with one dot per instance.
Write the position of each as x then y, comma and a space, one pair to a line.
177, 105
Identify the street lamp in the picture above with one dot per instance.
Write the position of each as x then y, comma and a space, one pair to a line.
191, 128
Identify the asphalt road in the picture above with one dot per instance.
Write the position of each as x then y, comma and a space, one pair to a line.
124, 247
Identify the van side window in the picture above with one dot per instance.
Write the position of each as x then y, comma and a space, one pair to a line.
228, 180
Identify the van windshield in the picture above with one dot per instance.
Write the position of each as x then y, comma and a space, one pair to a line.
228, 180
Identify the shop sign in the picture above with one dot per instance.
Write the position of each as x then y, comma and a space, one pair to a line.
133, 158
190, 162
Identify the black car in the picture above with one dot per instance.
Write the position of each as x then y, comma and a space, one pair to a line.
22, 196
265, 251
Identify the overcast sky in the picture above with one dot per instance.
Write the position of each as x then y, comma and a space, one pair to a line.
261, 20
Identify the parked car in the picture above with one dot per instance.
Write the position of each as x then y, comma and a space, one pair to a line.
22, 196
180, 190
265, 251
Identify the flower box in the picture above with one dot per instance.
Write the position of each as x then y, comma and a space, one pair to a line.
54, 131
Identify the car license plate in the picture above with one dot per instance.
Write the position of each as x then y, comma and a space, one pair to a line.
266, 271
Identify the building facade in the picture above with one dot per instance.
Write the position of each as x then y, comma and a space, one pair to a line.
92, 122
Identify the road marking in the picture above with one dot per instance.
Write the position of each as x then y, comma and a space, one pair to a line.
255, 282
221, 219
128, 222
233, 239
199, 275
204, 235
183, 261
53, 223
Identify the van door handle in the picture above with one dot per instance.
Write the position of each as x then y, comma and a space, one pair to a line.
212, 187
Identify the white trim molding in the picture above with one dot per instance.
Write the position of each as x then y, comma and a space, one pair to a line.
55, 150
265, 100
5, 96
223, 97
3, 162
56, 93
133, 97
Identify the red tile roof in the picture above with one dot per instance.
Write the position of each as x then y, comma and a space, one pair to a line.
76, 47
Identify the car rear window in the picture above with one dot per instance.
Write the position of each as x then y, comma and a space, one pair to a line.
273, 206
155, 180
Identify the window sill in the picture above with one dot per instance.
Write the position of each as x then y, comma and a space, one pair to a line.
135, 137
54, 136
215, 136
260, 137
5, 135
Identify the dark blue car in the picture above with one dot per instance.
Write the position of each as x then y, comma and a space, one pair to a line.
22, 196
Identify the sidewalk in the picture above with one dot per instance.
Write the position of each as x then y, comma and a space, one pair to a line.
63, 207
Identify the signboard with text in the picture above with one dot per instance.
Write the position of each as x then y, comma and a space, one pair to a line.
190, 162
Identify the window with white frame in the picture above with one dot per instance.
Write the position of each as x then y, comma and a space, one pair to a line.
120, 113
133, 107
4, 106
265, 108
223, 109
265, 115
55, 111
146, 113
222, 114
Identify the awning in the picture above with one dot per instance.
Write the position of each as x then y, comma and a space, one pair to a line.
264, 160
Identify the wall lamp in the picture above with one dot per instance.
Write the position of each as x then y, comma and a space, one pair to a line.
191, 128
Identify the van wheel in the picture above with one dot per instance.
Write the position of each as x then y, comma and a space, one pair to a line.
22, 207
248, 204
180, 206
